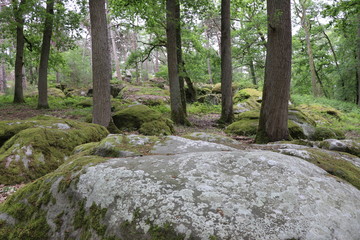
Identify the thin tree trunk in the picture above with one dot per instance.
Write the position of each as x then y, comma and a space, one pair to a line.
211, 81
3, 77
358, 60
305, 25
45, 53
20, 42
177, 112
180, 62
273, 123
252, 72
156, 65
101, 63
115, 55
23, 73
227, 114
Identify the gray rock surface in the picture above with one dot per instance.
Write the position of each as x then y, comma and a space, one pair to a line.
202, 191
230, 195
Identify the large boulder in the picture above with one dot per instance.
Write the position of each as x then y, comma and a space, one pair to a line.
348, 145
144, 119
247, 99
38, 147
184, 194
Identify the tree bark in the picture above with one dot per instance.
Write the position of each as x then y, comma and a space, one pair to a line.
45, 53
20, 42
3, 78
177, 112
305, 25
227, 115
115, 55
252, 72
101, 63
180, 62
358, 60
273, 123
211, 81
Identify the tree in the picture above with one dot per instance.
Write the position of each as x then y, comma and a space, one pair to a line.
301, 11
273, 123
101, 63
45, 53
227, 114
177, 111
20, 42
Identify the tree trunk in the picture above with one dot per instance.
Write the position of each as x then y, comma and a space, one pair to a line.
211, 81
227, 114
358, 60
180, 62
273, 123
156, 66
101, 63
252, 72
177, 112
305, 25
45, 53
115, 55
3, 77
20, 42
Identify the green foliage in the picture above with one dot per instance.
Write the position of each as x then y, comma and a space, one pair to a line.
203, 108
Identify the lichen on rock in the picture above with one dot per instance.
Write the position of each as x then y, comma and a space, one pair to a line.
40, 146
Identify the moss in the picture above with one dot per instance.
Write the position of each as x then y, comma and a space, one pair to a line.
245, 94
132, 118
322, 133
245, 127
335, 166
157, 128
248, 115
36, 151
295, 130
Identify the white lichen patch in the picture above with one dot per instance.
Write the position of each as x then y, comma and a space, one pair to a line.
62, 126
230, 195
176, 145
296, 152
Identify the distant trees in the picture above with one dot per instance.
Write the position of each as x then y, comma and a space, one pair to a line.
273, 123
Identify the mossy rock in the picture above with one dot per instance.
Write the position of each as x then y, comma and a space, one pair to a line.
55, 92
144, 119
245, 94
85, 103
334, 163
216, 88
322, 133
213, 99
247, 126
248, 115
295, 131
41, 148
244, 127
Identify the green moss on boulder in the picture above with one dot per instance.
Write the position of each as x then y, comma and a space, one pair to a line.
245, 127
42, 147
144, 119
322, 133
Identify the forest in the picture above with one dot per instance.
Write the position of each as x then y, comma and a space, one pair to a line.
178, 119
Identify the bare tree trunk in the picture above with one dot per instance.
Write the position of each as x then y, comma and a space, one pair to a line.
252, 72
273, 123
3, 77
20, 42
156, 66
358, 60
23, 73
115, 55
177, 112
45, 53
227, 115
101, 63
305, 25
181, 65
211, 81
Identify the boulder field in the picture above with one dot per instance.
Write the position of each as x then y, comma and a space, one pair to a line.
142, 187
